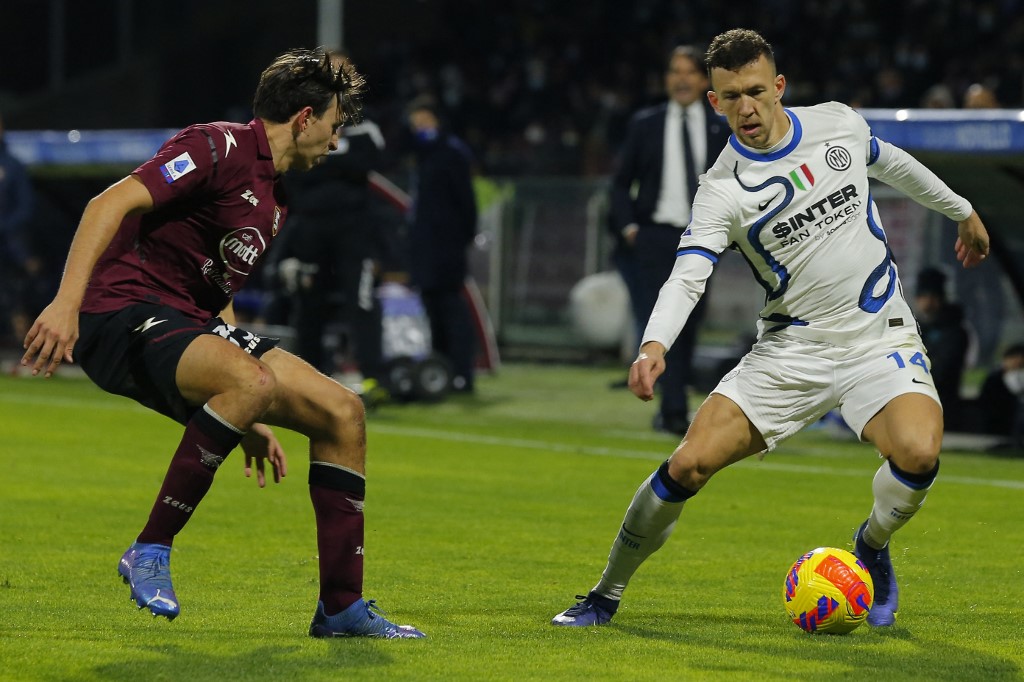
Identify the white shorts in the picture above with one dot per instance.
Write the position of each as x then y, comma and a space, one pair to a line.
784, 384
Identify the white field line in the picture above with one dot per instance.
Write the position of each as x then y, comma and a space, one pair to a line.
524, 443
527, 444
114, 404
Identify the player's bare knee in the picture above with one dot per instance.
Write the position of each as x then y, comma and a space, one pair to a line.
687, 472
345, 411
259, 384
916, 457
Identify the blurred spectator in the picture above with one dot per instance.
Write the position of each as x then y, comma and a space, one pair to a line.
939, 96
999, 407
19, 268
945, 338
442, 225
979, 96
890, 88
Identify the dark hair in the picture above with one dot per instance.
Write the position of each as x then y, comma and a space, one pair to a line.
736, 48
931, 282
692, 53
300, 78
1015, 350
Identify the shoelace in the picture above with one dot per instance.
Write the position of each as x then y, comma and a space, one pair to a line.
379, 621
371, 608
154, 568
581, 606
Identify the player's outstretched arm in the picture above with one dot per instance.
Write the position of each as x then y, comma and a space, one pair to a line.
261, 444
51, 339
972, 241
646, 369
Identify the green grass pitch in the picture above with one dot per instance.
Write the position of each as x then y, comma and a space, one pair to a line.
484, 517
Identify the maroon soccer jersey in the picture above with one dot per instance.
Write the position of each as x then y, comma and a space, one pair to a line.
217, 206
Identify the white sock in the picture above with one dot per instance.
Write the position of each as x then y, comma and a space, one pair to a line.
896, 502
648, 523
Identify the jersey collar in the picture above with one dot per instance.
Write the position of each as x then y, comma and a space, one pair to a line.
262, 142
796, 132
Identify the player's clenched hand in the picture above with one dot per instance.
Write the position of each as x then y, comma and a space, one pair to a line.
972, 241
261, 444
646, 369
51, 338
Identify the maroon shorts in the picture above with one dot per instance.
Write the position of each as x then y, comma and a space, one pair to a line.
135, 351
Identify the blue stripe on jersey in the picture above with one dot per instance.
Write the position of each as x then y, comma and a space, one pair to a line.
868, 302
798, 133
783, 322
698, 251
754, 233
875, 228
874, 149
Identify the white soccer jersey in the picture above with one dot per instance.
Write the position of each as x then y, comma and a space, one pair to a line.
803, 217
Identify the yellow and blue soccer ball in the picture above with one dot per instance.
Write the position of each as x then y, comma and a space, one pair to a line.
828, 590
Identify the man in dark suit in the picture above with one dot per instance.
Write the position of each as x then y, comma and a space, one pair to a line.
441, 230
666, 149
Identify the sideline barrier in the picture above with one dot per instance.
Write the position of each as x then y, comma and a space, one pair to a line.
935, 130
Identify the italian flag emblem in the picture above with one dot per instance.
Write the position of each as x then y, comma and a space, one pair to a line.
802, 177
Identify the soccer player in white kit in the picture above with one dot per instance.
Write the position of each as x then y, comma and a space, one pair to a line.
790, 192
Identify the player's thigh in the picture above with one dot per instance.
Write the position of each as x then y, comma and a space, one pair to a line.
307, 401
212, 365
719, 435
908, 430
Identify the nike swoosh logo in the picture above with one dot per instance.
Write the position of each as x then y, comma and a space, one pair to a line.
918, 381
764, 204
148, 324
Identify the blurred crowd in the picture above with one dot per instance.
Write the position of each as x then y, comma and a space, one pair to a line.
546, 88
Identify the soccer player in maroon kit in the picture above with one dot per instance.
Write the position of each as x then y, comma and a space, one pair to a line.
145, 307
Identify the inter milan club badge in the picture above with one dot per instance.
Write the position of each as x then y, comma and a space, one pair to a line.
838, 158
277, 221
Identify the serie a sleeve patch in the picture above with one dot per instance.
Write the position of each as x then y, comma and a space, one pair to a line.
177, 167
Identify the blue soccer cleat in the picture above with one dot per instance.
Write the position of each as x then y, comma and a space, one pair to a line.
361, 619
146, 568
592, 609
879, 565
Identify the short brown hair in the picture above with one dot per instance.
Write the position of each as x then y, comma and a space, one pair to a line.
736, 48
302, 77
